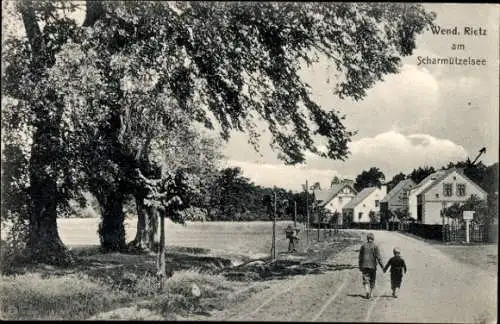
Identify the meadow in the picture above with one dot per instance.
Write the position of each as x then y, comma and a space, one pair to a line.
249, 239
112, 285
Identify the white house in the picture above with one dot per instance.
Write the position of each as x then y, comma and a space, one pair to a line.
416, 190
366, 201
333, 199
452, 186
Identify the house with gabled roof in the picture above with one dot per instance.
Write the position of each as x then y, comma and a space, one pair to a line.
365, 202
396, 200
449, 187
334, 198
417, 190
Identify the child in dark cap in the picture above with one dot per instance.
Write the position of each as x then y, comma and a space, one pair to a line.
397, 265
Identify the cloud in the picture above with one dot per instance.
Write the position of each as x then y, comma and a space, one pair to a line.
394, 152
284, 176
406, 100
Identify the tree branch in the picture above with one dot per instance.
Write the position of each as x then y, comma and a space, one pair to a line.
33, 31
94, 12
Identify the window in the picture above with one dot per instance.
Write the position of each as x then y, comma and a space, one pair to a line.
461, 189
447, 189
376, 203
360, 215
437, 195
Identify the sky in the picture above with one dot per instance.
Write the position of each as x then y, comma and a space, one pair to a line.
427, 115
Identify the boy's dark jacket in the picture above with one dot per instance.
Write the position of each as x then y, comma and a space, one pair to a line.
396, 263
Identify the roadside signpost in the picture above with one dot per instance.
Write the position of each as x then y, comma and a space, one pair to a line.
468, 216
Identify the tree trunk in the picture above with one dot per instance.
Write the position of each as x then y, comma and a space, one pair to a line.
162, 262
94, 11
111, 228
44, 244
147, 227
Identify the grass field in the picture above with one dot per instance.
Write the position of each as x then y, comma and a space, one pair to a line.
251, 239
110, 286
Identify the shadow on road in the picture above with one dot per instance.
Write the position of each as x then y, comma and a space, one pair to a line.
357, 296
364, 297
312, 259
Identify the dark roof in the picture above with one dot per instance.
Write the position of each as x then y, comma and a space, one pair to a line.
360, 197
401, 185
325, 196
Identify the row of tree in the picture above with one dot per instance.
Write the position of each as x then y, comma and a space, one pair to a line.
109, 106
481, 174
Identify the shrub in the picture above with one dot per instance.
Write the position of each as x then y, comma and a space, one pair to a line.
71, 297
178, 296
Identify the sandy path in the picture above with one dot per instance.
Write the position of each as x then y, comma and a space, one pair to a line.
436, 289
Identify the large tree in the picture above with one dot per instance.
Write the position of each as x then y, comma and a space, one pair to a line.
395, 180
371, 178
421, 173
233, 61
335, 180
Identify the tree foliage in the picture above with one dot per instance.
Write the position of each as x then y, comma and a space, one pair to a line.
395, 180
371, 178
475, 204
335, 180
421, 173
97, 99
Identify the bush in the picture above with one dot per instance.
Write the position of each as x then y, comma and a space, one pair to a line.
178, 295
72, 297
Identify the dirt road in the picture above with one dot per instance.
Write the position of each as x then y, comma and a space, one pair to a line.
436, 289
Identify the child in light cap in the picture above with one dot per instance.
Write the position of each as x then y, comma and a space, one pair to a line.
397, 265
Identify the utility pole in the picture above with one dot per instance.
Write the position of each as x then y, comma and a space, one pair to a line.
319, 220
307, 212
274, 228
442, 214
295, 214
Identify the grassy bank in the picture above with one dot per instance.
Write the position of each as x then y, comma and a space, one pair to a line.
124, 286
77, 297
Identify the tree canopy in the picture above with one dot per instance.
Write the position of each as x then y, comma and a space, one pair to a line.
371, 178
95, 100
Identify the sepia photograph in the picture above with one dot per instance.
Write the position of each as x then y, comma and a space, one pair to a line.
249, 161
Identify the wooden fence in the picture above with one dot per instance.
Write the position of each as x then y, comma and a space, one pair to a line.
455, 232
